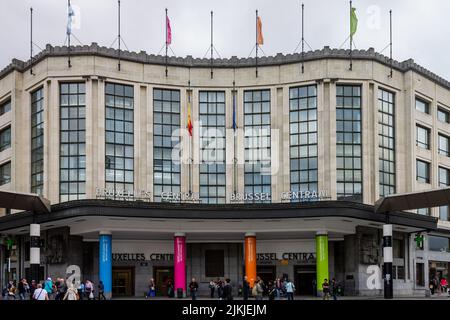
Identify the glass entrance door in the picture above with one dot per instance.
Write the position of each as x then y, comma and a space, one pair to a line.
304, 277
123, 282
162, 276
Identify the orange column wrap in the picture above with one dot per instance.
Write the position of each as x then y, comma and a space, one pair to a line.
250, 258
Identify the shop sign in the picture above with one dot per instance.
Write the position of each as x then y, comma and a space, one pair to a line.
287, 256
130, 195
306, 195
180, 197
138, 257
251, 196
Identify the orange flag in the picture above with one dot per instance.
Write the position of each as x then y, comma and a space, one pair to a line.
189, 124
260, 38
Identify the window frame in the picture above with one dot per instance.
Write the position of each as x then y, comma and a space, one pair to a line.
421, 144
424, 179
425, 103
349, 174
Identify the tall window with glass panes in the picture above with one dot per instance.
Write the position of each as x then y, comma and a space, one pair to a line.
386, 142
257, 152
212, 146
444, 181
72, 173
348, 143
119, 122
166, 136
303, 138
37, 141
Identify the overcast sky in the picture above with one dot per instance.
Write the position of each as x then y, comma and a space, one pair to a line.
421, 27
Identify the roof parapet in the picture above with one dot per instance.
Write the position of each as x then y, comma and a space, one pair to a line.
233, 62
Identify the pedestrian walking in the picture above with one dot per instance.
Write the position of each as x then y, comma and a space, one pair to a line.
219, 289
227, 290
22, 288
40, 293
80, 290
89, 290
444, 285
33, 287
193, 287
258, 289
151, 289
326, 290
290, 288
334, 287
212, 288
245, 288
11, 291
48, 286
101, 291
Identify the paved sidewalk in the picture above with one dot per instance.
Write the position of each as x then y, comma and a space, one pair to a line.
434, 297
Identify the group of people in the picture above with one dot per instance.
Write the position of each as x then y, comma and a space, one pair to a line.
280, 288
222, 287
438, 286
50, 289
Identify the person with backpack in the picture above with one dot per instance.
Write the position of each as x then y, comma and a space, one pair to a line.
40, 293
258, 289
290, 288
245, 288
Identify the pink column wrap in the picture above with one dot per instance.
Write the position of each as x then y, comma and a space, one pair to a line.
180, 262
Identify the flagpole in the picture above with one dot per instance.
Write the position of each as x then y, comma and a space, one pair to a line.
390, 42
234, 137
166, 44
69, 33
118, 32
190, 137
303, 39
31, 40
256, 44
212, 45
351, 38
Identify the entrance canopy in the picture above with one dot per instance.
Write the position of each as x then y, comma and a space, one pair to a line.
24, 201
139, 220
413, 200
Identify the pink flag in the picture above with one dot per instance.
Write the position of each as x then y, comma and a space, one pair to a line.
168, 32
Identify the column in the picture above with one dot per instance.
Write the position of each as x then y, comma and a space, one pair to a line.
387, 259
321, 259
35, 251
180, 263
250, 257
105, 261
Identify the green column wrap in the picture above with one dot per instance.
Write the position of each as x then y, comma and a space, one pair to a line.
321, 260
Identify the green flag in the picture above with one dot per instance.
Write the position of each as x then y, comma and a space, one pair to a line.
353, 21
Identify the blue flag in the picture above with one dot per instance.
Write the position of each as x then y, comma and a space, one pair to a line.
71, 13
